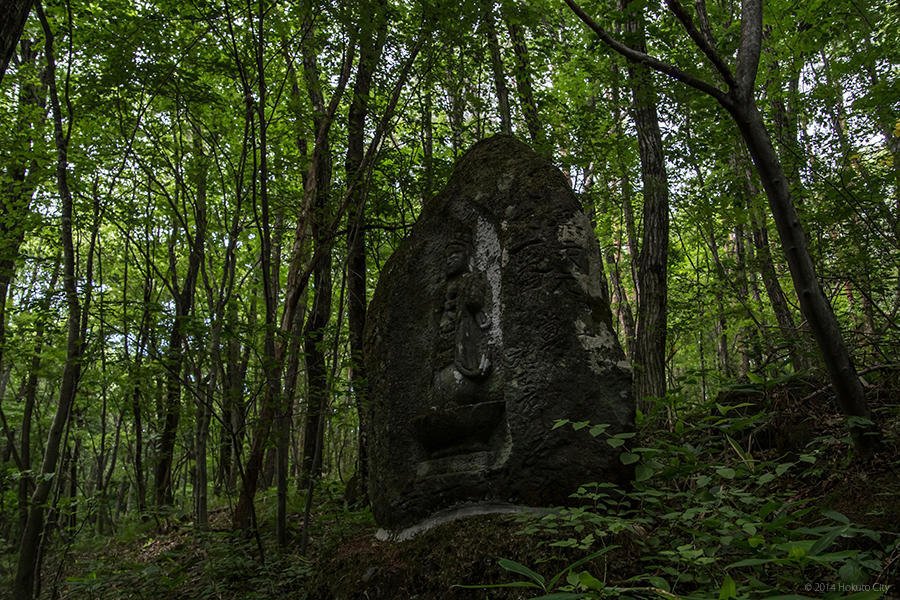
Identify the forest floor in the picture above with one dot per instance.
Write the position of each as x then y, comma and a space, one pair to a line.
754, 497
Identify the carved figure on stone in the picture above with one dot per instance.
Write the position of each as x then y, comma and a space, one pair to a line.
462, 416
463, 321
490, 322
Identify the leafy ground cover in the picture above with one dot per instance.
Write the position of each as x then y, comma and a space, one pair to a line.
753, 496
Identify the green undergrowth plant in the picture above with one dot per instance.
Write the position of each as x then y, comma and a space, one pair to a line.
707, 517
571, 575
184, 561
190, 565
168, 556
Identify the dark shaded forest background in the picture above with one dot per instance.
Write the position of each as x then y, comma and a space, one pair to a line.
198, 197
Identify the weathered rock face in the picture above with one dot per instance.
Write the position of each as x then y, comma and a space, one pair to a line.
489, 323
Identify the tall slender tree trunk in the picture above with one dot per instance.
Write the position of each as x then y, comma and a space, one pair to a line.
652, 267
712, 242
523, 81
136, 375
313, 345
140, 488
497, 66
626, 190
746, 344
233, 411
766, 267
171, 408
29, 394
291, 380
813, 304
427, 147
205, 398
371, 43
272, 402
220, 304
456, 92
69, 513
184, 302
296, 280
720, 325
620, 300
320, 314
27, 572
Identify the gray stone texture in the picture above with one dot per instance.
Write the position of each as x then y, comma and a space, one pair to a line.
489, 323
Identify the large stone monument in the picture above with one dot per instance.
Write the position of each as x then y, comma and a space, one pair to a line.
489, 323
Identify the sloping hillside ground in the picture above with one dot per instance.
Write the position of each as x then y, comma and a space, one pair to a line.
751, 498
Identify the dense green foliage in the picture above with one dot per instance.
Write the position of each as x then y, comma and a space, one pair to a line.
217, 199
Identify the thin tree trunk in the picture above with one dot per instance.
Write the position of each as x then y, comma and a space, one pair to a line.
205, 400
650, 342
297, 278
523, 81
287, 423
272, 401
140, 488
71, 466
232, 412
627, 189
320, 314
849, 158
427, 147
314, 339
29, 395
101, 457
26, 572
105, 520
371, 43
813, 304
745, 342
455, 89
766, 267
291, 377
184, 303
721, 327
620, 300
497, 66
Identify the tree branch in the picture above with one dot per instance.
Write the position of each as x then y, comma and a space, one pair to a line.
11, 441
703, 17
703, 41
750, 45
643, 58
